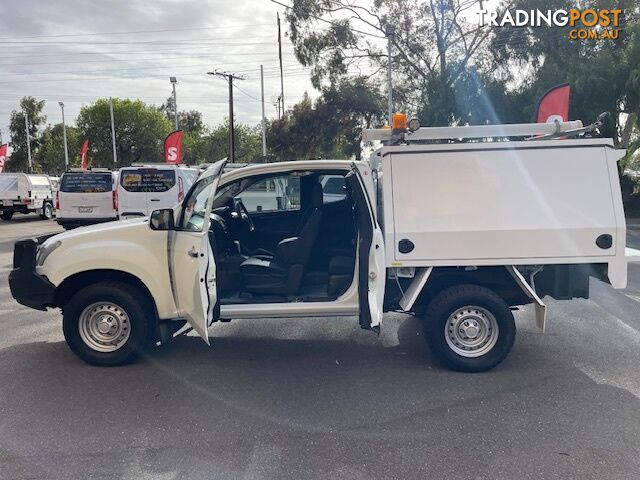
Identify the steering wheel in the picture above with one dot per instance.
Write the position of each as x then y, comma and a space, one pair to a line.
243, 213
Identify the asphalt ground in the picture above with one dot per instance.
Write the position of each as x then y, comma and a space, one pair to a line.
320, 398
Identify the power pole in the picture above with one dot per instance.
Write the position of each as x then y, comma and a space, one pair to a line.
26, 130
113, 133
64, 138
230, 77
280, 57
390, 32
1, 137
173, 81
264, 121
277, 105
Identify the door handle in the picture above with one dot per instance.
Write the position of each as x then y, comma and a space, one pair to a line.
155, 199
192, 253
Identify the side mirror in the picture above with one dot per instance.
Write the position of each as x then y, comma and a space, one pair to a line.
162, 219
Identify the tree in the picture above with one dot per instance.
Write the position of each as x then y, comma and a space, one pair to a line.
51, 154
189, 121
214, 145
604, 75
330, 127
19, 157
436, 48
140, 131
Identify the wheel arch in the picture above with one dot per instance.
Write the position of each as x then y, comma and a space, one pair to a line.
497, 279
79, 280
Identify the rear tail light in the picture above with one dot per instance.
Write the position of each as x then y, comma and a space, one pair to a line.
114, 197
58, 200
180, 190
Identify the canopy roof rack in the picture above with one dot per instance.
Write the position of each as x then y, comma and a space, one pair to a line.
534, 130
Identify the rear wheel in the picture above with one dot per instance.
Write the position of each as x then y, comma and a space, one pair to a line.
6, 215
108, 323
469, 328
47, 211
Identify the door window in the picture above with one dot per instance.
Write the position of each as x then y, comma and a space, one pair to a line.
333, 188
195, 205
272, 194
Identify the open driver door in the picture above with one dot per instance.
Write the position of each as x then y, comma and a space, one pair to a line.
191, 258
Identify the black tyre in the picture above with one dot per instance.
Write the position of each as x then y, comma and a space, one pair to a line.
6, 215
47, 211
109, 323
469, 328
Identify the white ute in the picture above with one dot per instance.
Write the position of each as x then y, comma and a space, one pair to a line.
25, 193
457, 233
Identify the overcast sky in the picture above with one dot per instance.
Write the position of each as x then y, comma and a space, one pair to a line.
76, 51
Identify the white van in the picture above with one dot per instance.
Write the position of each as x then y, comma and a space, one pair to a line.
145, 188
86, 197
25, 193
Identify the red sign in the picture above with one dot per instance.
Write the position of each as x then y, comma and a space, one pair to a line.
173, 148
554, 105
83, 153
3, 156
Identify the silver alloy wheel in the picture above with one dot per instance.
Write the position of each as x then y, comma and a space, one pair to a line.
104, 327
48, 211
471, 331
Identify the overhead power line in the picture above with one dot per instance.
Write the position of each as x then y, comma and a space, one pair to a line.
137, 32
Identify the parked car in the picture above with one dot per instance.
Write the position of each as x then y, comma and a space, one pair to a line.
86, 197
457, 234
144, 188
25, 193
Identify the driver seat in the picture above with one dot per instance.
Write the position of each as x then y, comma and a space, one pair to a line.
282, 274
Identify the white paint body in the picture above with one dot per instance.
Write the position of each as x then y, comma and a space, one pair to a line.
504, 203
97, 204
25, 191
142, 203
501, 203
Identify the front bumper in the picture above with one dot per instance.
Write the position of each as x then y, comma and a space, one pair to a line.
27, 287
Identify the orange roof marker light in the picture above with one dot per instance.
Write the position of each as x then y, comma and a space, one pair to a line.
399, 122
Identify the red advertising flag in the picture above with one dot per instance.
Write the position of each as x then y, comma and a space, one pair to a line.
3, 156
554, 105
173, 148
83, 153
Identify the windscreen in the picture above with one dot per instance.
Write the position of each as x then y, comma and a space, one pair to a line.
86, 182
147, 180
8, 183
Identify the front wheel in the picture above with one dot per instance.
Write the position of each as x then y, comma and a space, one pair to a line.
108, 323
469, 328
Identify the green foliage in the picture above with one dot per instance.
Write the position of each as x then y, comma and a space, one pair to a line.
51, 153
603, 74
189, 121
18, 162
214, 145
140, 132
329, 128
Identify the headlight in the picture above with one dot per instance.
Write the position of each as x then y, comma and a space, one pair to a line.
45, 250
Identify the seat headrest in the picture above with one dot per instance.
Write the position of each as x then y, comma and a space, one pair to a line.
317, 196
